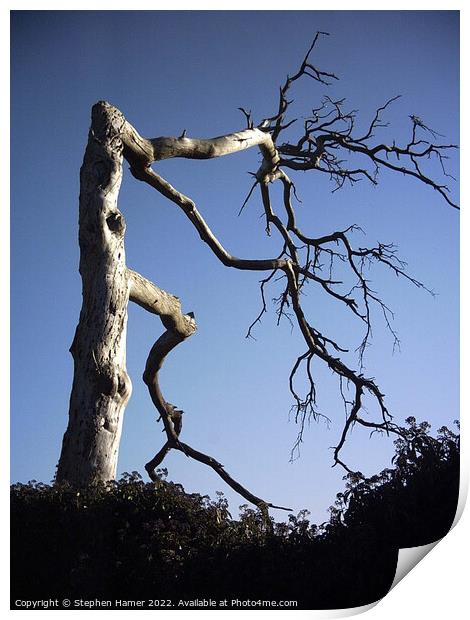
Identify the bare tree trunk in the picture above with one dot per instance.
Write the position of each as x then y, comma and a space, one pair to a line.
101, 386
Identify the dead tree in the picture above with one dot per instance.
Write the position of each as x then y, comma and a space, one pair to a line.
327, 142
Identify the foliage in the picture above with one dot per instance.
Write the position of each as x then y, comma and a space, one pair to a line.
412, 504
136, 540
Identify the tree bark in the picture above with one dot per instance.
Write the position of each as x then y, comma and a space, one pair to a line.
101, 386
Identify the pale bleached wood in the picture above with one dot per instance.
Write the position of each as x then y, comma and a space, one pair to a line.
101, 386
141, 152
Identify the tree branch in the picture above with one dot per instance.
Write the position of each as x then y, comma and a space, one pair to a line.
179, 327
327, 141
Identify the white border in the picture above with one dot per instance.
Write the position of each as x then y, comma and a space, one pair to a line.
439, 586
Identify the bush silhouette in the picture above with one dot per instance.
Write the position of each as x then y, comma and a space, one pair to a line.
132, 540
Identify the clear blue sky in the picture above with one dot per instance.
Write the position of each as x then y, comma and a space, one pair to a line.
169, 71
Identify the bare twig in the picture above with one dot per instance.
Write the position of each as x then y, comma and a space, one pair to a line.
327, 141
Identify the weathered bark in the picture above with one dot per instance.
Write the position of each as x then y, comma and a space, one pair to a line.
179, 328
101, 386
141, 152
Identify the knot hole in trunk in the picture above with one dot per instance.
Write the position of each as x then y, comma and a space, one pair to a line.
116, 222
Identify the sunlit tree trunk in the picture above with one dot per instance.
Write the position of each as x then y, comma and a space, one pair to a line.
101, 386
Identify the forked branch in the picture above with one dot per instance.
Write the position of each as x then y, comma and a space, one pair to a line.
179, 327
326, 141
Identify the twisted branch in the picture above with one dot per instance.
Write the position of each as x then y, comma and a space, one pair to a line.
179, 327
327, 139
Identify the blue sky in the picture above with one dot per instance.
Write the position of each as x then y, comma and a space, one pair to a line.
192, 70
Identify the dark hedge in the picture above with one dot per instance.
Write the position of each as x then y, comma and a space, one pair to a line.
131, 540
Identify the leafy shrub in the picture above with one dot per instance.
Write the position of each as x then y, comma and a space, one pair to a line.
152, 540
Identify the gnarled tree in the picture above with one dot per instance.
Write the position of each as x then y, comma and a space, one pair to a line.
328, 143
